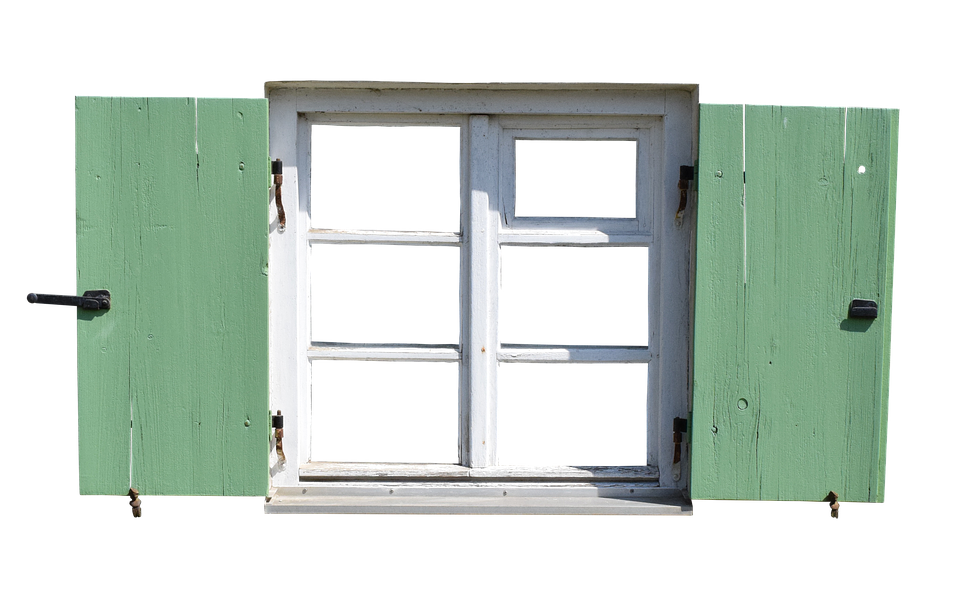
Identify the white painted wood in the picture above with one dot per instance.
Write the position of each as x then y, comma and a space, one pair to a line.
370, 352
353, 118
664, 115
556, 237
483, 487
692, 252
647, 132
480, 271
383, 352
583, 354
467, 501
552, 127
304, 419
333, 236
287, 309
322, 471
625, 100
321, 86
672, 306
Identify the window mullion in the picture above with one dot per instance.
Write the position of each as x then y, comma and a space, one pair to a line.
479, 271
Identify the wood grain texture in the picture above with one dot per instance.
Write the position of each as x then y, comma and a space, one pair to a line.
789, 395
171, 218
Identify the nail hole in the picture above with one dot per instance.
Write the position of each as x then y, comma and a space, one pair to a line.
742, 404
304, 491
862, 169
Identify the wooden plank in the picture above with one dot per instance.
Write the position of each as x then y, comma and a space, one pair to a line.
801, 412
502, 500
382, 237
234, 180
322, 471
796, 225
623, 101
584, 354
410, 352
518, 237
187, 236
104, 240
479, 295
869, 180
722, 463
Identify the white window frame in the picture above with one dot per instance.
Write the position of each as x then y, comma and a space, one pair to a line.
596, 128
491, 117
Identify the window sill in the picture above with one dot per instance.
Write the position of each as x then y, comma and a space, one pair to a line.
500, 498
455, 489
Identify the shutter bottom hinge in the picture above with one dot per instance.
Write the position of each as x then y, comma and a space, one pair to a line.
679, 428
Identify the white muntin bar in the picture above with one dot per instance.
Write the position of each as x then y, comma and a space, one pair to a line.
333, 236
408, 352
586, 354
479, 274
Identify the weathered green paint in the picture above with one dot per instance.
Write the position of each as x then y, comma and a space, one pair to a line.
172, 218
789, 396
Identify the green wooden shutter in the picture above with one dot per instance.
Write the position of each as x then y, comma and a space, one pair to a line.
789, 394
172, 201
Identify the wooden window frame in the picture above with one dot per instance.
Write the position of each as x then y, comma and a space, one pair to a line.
491, 118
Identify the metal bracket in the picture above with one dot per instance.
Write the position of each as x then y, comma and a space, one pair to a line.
863, 308
687, 175
679, 428
92, 299
276, 168
834, 504
277, 424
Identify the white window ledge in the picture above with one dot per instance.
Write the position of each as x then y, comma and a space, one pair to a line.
508, 498
456, 489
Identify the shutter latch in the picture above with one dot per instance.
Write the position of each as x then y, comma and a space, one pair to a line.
92, 299
863, 308
276, 168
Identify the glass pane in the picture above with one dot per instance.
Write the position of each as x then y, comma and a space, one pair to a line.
384, 412
365, 293
576, 179
572, 414
401, 178
573, 296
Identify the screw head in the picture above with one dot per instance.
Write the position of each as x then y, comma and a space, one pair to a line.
246, 423
719, 174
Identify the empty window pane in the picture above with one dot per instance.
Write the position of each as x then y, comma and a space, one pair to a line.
572, 414
384, 412
401, 178
573, 296
364, 293
576, 179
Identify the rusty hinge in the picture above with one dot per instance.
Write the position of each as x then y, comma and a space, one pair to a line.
686, 176
277, 423
276, 168
679, 428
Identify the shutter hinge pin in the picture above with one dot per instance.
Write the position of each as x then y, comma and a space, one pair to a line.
834, 504
134, 501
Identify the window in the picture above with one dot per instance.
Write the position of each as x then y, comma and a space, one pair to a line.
481, 294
